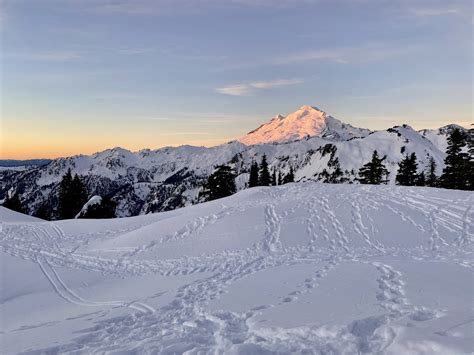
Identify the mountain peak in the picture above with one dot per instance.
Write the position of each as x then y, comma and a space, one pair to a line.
310, 108
307, 121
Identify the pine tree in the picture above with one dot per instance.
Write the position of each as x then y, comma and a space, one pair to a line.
264, 175
72, 196
337, 176
274, 178
373, 172
43, 211
253, 178
407, 168
470, 162
220, 184
280, 178
14, 203
79, 193
290, 177
431, 178
456, 170
65, 205
420, 179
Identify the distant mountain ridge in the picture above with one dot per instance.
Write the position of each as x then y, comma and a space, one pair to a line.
164, 179
29, 162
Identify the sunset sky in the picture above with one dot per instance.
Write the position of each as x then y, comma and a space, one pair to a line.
79, 76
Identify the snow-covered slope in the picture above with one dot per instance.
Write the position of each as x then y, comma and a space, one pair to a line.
7, 215
301, 268
439, 137
307, 121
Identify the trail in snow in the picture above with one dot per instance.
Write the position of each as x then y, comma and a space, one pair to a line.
338, 228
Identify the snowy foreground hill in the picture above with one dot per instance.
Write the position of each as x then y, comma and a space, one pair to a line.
303, 268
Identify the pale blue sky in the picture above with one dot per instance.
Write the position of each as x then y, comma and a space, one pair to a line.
83, 75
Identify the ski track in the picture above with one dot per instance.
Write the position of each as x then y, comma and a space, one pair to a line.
185, 324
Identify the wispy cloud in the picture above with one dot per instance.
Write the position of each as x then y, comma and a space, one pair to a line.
251, 88
433, 11
49, 56
345, 55
163, 7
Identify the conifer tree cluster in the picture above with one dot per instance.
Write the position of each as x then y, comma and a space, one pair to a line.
14, 203
221, 183
431, 178
72, 195
260, 175
374, 172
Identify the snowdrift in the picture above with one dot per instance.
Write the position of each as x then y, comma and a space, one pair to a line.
305, 267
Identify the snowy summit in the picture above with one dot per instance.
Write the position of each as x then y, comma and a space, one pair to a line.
307, 121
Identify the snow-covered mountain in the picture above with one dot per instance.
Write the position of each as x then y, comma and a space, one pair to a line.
307, 121
439, 137
303, 268
168, 178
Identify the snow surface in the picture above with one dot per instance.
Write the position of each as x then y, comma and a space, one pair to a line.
307, 121
7, 215
305, 268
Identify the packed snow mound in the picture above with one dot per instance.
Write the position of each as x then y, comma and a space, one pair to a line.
307, 121
300, 268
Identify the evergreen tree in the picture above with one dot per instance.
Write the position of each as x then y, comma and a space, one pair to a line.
65, 205
420, 179
104, 209
456, 170
79, 192
290, 177
407, 168
274, 178
264, 175
72, 196
43, 212
220, 184
431, 178
470, 162
374, 172
280, 178
337, 176
14, 203
253, 178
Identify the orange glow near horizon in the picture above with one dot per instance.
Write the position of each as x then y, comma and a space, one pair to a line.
27, 139
33, 150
